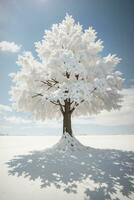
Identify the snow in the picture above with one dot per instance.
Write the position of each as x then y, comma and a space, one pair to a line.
68, 144
34, 168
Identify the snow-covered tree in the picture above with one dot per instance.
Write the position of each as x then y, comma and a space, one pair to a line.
69, 77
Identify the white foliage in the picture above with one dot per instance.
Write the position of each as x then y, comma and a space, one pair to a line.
71, 65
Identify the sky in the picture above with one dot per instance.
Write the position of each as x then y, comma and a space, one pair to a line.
23, 22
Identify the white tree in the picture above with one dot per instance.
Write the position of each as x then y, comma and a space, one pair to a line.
70, 77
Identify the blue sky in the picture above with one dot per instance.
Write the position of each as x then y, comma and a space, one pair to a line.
24, 22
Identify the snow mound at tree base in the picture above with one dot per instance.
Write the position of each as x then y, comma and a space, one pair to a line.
69, 143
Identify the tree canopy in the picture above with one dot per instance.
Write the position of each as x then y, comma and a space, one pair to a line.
69, 68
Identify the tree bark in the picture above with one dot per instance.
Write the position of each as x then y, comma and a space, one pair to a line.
67, 127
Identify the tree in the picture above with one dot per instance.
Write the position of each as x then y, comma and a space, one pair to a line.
70, 77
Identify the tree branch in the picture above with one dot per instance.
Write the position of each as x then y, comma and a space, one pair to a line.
61, 107
53, 102
77, 76
50, 83
77, 104
38, 94
67, 75
57, 104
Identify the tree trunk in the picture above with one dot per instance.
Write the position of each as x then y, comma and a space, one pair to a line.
67, 127
67, 123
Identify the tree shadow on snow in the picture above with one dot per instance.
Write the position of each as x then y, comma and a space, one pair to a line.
110, 171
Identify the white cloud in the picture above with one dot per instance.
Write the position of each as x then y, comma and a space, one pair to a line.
5, 108
30, 122
9, 46
17, 120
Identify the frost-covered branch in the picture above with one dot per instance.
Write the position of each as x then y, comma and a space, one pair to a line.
36, 95
50, 83
77, 104
61, 107
57, 104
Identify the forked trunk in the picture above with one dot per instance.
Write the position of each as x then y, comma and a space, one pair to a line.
67, 127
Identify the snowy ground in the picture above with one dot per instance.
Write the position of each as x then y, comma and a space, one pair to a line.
103, 172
